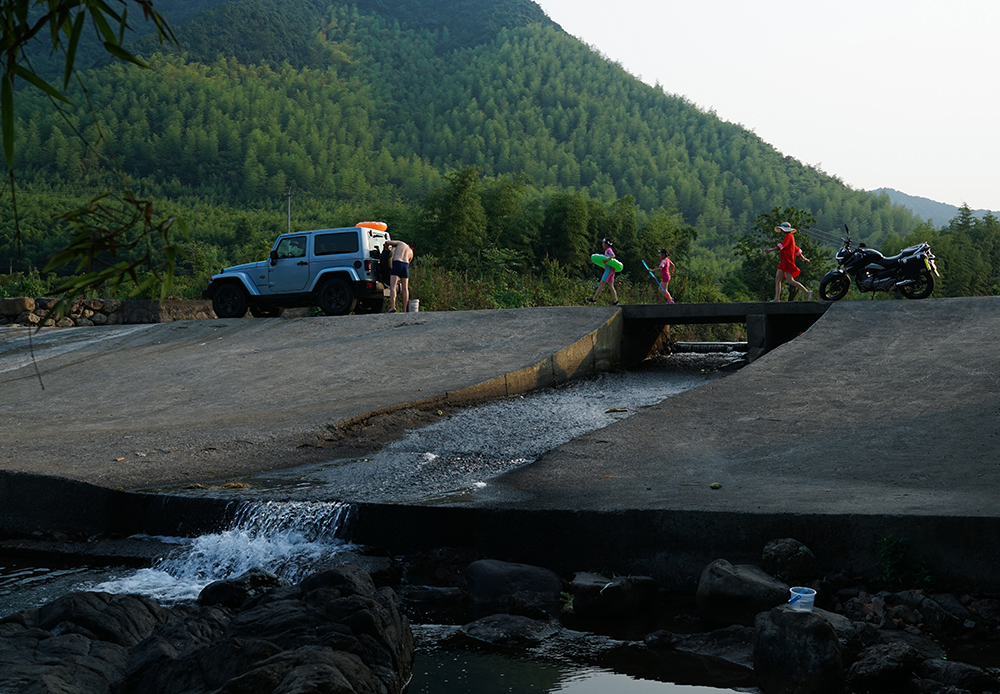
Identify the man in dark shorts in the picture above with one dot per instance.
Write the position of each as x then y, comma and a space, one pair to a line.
399, 275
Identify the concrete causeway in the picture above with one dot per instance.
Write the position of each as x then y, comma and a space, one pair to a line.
142, 405
882, 420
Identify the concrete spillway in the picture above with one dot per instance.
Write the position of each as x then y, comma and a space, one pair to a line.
881, 420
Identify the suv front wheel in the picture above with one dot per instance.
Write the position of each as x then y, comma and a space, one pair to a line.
230, 301
336, 298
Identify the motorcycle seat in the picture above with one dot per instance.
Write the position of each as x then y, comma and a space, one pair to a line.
903, 253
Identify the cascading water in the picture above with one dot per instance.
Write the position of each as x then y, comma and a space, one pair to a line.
290, 539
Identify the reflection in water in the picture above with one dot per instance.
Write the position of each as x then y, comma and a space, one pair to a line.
25, 584
464, 672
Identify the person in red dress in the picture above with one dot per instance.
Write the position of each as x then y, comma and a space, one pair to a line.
666, 265
786, 267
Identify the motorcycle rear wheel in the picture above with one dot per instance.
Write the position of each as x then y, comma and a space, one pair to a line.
834, 288
921, 288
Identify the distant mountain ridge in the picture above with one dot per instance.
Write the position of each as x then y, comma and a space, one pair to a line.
938, 213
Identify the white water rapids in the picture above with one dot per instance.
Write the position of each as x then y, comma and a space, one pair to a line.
290, 539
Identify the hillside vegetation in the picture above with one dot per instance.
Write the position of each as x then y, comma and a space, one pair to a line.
478, 129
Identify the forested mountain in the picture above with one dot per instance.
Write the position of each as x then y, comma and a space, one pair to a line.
937, 213
466, 124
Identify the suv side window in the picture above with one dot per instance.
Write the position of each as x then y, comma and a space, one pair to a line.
341, 242
294, 247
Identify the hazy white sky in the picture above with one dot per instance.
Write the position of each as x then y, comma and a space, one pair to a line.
903, 94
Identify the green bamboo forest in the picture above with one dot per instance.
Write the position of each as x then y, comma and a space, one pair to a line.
501, 147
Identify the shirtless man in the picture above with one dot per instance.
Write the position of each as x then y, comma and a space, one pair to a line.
399, 275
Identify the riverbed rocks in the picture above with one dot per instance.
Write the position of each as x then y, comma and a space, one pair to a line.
737, 630
332, 632
338, 631
865, 643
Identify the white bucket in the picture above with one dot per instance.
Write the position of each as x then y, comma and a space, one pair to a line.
802, 598
413, 306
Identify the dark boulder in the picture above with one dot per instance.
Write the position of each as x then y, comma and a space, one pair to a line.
791, 561
733, 644
735, 594
199, 668
797, 652
492, 582
884, 668
340, 609
124, 620
623, 596
306, 670
77, 644
509, 630
960, 675
233, 592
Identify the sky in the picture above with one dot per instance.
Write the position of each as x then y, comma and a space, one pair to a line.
898, 94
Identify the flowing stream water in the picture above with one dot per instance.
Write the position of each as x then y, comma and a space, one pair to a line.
456, 456
295, 538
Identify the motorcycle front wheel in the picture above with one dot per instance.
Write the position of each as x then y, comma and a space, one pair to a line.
921, 288
834, 288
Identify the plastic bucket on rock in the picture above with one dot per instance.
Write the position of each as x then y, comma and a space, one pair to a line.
413, 306
802, 598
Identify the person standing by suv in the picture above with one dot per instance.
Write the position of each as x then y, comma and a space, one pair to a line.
399, 275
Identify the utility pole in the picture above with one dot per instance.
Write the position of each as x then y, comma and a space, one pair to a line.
288, 196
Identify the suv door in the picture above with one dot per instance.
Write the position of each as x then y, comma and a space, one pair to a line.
289, 268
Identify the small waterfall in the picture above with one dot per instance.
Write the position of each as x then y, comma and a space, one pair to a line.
291, 539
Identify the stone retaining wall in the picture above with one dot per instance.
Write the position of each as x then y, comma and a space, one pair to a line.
26, 311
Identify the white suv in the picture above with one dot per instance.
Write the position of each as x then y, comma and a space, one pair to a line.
339, 270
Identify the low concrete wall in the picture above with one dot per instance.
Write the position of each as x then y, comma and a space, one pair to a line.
674, 546
671, 546
45, 312
37, 504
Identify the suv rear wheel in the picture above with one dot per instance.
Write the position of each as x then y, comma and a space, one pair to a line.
230, 301
336, 298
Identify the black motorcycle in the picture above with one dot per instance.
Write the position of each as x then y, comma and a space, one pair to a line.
909, 271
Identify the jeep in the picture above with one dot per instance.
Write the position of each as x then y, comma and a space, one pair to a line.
337, 270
